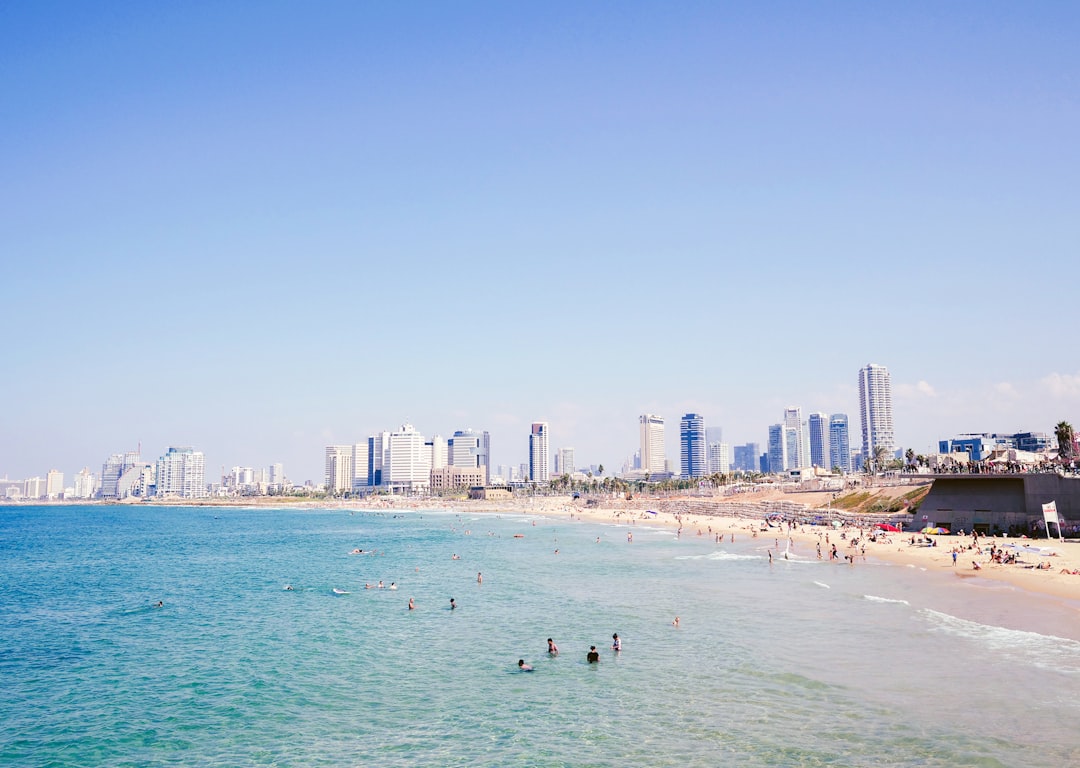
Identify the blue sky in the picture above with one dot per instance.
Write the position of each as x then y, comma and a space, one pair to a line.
259, 228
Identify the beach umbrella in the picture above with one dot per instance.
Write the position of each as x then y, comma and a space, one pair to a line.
888, 527
931, 529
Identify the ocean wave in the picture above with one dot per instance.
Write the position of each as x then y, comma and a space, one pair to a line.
720, 556
822, 585
876, 599
1047, 651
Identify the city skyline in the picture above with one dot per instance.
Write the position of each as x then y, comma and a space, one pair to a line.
195, 200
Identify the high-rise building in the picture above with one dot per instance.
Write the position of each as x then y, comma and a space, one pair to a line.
114, 468
718, 457
692, 453
839, 443
86, 484
339, 468
652, 444
378, 446
778, 449
566, 461
407, 467
539, 466
361, 465
817, 425
471, 450
796, 437
181, 472
54, 484
746, 457
439, 448
875, 410
277, 474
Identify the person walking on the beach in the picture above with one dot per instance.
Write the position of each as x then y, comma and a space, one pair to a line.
616, 643
593, 656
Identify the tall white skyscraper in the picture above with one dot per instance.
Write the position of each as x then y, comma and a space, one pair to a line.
796, 439
875, 410
652, 443
181, 472
440, 451
407, 467
539, 466
566, 461
719, 458
361, 467
339, 468
54, 484
86, 484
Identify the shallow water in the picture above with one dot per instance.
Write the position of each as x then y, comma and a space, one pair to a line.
801, 663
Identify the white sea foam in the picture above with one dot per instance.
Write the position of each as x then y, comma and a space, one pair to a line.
823, 586
876, 599
721, 556
1046, 651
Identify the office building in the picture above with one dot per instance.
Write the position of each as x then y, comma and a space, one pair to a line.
539, 466
114, 468
54, 484
798, 455
746, 458
468, 449
718, 458
339, 468
652, 444
777, 449
875, 410
407, 463
839, 443
439, 448
361, 465
565, 460
180, 472
693, 457
86, 484
817, 427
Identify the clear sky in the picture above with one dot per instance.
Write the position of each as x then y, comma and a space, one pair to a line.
260, 228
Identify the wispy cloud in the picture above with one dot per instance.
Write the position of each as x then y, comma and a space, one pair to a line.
919, 389
1062, 385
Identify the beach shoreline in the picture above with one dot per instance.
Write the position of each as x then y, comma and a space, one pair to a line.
744, 515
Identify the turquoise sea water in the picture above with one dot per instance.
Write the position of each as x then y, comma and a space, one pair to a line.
801, 663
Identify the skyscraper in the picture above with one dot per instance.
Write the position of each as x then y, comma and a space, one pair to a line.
692, 451
339, 468
407, 464
839, 443
566, 461
818, 426
796, 438
652, 443
875, 409
778, 449
718, 457
470, 449
539, 468
181, 472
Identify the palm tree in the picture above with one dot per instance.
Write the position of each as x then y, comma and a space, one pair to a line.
1066, 440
